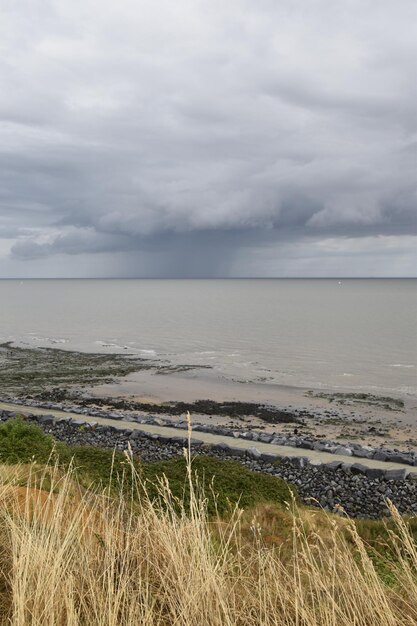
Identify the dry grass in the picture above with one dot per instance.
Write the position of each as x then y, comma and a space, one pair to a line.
75, 557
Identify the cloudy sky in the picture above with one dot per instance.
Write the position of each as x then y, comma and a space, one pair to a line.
208, 138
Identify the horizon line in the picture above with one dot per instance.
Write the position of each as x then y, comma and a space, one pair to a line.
208, 277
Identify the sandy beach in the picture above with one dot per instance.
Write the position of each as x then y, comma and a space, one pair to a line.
367, 420
111, 380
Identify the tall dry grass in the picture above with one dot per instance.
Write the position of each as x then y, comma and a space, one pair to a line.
74, 557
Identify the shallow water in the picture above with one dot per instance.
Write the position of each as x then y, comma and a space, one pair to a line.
353, 334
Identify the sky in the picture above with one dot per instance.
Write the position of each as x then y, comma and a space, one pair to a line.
211, 138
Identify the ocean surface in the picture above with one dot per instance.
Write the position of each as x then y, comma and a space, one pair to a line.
356, 334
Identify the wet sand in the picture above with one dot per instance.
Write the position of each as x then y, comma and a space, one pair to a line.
345, 420
58, 375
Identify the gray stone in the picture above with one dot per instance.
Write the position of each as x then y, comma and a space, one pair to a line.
380, 455
137, 434
265, 438
221, 446
342, 450
180, 440
81, 423
165, 438
331, 448
333, 465
362, 453
358, 468
46, 419
237, 451
400, 458
375, 472
196, 442
254, 453
306, 445
268, 458
395, 474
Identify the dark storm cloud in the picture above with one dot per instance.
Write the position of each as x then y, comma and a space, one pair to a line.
206, 138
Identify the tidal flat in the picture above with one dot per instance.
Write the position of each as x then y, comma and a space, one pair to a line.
151, 386
36, 370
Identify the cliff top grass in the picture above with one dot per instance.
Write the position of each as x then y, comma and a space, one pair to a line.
72, 554
226, 483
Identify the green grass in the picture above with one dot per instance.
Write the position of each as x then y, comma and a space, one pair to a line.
232, 483
22, 442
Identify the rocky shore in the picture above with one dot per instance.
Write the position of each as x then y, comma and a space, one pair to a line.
356, 489
136, 412
98, 384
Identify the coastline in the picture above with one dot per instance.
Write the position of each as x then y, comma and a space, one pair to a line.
108, 380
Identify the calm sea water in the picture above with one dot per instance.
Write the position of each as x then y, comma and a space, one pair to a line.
358, 334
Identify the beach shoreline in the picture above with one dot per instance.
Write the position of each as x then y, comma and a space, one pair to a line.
112, 381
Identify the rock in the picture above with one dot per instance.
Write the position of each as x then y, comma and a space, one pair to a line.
81, 423
265, 438
331, 448
46, 419
137, 434
395, 474
333, 465
306, 445
221, 446
404, 458
342, 450
362, 453
195, 443
277, 441
374, 472
298, 461
358, 468
113, 416
180, 440
241, 452
360, 490
268, 458
379, 455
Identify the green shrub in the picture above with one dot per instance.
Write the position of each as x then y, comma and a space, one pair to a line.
21, 442
231, 483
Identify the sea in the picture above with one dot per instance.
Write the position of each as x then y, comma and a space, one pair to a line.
356, 334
